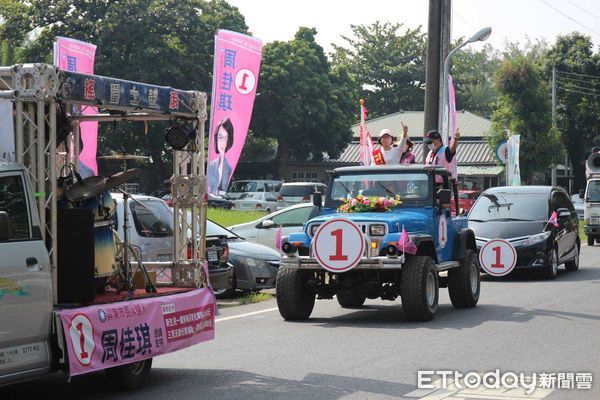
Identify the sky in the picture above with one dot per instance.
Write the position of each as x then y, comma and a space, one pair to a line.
512, 20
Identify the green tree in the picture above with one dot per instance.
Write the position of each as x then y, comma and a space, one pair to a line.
577, 97
524, 107
389, 64
165, 42
302, 102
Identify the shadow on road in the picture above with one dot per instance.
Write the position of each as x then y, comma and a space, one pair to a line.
583, 274
207, 384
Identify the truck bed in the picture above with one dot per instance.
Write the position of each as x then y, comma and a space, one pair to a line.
112, 296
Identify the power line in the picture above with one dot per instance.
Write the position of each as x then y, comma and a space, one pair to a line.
577, 91
580, 80
578, 87
565, 15
582, 9
575, 73
463, 19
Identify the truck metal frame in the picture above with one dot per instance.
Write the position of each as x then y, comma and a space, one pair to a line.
36, 89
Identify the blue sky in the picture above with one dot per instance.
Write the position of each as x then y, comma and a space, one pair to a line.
512, 20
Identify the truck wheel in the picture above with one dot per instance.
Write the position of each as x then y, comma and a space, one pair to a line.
130, 376
464, 282
350, 299
573, 265
590, 240
419, 288
551, 271
294, 300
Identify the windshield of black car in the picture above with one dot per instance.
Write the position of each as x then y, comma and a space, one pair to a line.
593, 191
152, 218
410, 186
510, 207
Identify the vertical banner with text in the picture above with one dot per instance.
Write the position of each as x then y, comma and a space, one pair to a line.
77, 56
514, 173
452, 122
235, 76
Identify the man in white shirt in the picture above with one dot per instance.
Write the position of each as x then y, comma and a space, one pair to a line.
391, 154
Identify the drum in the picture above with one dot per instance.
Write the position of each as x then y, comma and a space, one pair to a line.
105, 248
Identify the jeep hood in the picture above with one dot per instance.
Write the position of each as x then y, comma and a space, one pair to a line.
413, 220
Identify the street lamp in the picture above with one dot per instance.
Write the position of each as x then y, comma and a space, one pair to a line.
480, 36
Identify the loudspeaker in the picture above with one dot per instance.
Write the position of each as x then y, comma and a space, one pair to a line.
76, 255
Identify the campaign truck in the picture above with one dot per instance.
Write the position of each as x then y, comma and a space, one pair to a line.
591, 199
384, 232
74, 296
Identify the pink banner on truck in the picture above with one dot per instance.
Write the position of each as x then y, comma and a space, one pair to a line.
235, 76
108, 335
77, 56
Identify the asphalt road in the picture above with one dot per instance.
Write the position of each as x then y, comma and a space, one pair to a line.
522, 324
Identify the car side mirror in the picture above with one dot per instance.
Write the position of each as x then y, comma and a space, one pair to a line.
563, 212
318, 199
444, 196
4, 226
581, 193
267, 223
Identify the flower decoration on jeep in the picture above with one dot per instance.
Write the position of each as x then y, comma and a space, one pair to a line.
368, 204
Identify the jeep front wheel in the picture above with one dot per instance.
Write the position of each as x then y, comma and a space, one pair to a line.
464, 282
419, 288
350, 298
294, 300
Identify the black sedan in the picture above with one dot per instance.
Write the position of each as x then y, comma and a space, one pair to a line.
255, 265
520, 215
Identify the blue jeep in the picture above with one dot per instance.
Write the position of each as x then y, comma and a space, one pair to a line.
445, 247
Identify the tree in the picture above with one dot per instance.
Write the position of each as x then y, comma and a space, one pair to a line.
302, 102
577, 95
164, 42
388, 63
524, 108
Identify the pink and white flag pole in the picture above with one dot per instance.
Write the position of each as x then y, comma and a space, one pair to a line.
365, 140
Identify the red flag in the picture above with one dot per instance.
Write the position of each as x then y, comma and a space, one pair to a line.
365, 141
553, 219
278, 239
407, 245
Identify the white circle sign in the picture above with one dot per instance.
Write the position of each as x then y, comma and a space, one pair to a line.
338, 245
244, 81
443, 231
498, 257
81, 333
502, 152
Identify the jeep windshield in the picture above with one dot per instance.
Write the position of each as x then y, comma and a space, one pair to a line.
411, 186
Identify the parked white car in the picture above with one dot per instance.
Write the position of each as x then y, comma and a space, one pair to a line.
298, 192
578, 204
237, 188
259, 201
264, 230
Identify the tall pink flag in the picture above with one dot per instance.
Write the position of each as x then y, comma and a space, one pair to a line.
452, 122
235, 76
365, 140
77, 56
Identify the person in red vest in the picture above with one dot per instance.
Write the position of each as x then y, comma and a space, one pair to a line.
442, 155
387, 153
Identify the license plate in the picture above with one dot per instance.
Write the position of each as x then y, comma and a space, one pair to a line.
212, 256
164, 257
594, 221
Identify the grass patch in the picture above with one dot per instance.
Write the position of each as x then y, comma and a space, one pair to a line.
232, 217
582, 235
255, 298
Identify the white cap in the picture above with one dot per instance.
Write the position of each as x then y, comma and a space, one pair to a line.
383, 133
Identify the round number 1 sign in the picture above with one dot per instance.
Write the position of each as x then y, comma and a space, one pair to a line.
338, 245
498, 257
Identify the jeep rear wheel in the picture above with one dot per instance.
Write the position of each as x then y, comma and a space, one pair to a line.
294, 300
350, 298
464, 282
419, 288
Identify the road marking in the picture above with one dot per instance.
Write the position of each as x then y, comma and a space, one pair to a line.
246, 314
451, 392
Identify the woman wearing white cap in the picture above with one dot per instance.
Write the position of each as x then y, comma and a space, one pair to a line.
387, 153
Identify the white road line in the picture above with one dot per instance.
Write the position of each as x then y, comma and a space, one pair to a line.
245, 315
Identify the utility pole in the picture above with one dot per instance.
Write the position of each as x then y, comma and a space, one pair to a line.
433, 68
553, 174
444, 50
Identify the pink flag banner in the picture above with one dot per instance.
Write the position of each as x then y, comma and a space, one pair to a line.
365, 140
278, 239
108, 335
77, 56
406, 244
553, 219
452, 122
235, 77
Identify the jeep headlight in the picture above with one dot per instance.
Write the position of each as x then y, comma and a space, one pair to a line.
377, 230
540, 237
313, 229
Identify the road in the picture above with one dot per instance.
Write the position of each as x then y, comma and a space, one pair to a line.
522, 324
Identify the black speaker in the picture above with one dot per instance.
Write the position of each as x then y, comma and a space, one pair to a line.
76, 256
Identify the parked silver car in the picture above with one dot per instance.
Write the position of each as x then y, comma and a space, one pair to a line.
259, 201
298, 192
264, 230
237, 188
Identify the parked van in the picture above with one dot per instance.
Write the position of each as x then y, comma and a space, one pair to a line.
236, 188
298, 192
